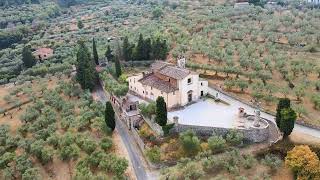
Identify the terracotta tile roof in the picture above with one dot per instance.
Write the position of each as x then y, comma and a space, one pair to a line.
157, 65
169, 70
174, 72
157, 83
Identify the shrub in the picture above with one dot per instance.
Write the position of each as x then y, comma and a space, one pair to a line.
147, 110
303, 162
217, 144
190, 143
272, 161
192, 170
166, 129
106, 143
234, 138
248, 161
154, 154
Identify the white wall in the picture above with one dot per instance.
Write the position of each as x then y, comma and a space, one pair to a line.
184, 87
172, 99
178, 98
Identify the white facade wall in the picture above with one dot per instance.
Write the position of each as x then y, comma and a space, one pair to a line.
173, 99
203, 86
185, 87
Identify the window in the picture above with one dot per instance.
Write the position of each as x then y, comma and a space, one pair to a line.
130, 80
174, 93
201, 84
161, 92
169, 79
189, 81
130, 87
142, 92
151, 88
146, 92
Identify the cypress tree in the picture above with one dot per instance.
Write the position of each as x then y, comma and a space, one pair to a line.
161, 111
156, 49
126, 49
95, 53
288, 118
80, 24
27, 57
163, 50
147, 49
109, 116
282, 104
139, 50
86, 72
118, 67
109, 54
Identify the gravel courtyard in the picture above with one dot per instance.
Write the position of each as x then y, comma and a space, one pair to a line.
207, 113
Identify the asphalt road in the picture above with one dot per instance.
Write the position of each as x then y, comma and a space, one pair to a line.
298, 128
133, 151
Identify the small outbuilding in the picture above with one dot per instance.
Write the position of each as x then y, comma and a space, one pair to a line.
43, 53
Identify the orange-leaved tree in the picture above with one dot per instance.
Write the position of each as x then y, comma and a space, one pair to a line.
303, 162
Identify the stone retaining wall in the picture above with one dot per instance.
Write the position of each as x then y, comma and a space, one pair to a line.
254, 135
154, 126
138, 139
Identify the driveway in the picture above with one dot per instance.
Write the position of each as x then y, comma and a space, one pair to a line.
136, 156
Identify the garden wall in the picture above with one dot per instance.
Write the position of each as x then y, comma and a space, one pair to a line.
154, 126
254, 135
138, 139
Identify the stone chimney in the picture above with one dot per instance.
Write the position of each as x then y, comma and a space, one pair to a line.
181, 62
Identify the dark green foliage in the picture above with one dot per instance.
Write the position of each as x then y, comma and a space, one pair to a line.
17, 2
86, 73
159, 49
31, 174
110, 116
106, 144
157, 12
217, 144
234, 138
23, 163
161, 111
288, 118
127, 49
66, 3
166, 129
154, 154
7, 38
80, 24
190, 142
146, 49
282, 104
109, 54
95, 52
258, 2
27, 57
139, 50
6, 158
117, 67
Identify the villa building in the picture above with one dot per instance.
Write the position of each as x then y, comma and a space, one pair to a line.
241, 4
176, 84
